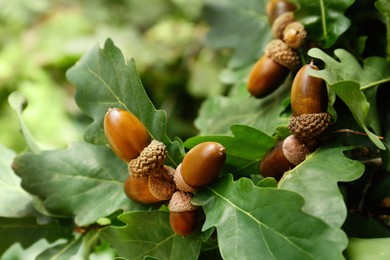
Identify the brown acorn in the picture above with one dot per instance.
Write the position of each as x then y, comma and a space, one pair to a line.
125, 133
150, 189
202, 164
270, 71
182, 213
308, 94
284, 156
275, 8
309, 102
281, 23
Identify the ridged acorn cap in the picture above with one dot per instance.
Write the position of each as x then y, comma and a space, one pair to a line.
282, 54
294, 150
310, 128
151, 158
181, 202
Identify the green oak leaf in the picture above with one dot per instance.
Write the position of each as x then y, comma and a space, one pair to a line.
243, 150
324, 20
62, 251
148, 234
348, 79
316, 179
265, 223
103, 79
15, 202
368, 248
18, 103
84, 181
384, 7
218, 114
240, 25
27, 231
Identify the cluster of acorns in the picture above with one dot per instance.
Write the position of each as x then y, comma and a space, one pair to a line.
150, 181
310, 120
281, 55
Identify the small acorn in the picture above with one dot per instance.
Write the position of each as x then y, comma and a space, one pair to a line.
182, 214
270, 71
281, 23
275, 8
201, 164
294, 35
125, 133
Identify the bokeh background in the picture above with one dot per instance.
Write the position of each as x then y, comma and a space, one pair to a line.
41, 39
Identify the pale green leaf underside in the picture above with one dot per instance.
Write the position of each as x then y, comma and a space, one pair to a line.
15, 202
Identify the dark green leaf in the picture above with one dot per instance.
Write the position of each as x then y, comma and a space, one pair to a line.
266, 223
316, 178
62, 251
26, 232
364, 227
243, 150
15, 202
384, 7
240, 25
371, 248
85, 181
218, 114
348, 79
149, 234
103, 79
324, 20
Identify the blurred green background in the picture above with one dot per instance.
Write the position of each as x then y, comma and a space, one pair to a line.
41, 39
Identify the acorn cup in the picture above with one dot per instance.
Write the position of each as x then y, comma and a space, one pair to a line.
150, 181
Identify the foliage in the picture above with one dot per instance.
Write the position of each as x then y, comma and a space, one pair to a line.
333, 205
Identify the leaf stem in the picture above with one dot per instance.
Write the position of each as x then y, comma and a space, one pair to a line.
323, 19
375, 83
350, 131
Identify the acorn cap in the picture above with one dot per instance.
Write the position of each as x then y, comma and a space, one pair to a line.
310, 128
294, 35
151, 158
181, 202
180, 183
280, 24
294, 150
282, 54
160, 187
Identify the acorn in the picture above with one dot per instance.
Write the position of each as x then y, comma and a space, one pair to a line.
270, 71
284, 156
125, 133
308, 94
150, 189
275, 8
200, 166
310, 120
182, 214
